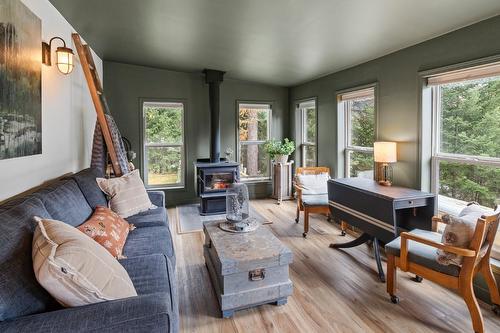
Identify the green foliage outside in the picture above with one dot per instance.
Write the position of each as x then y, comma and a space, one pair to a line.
164, 126
253, 127
470, 119
362, 134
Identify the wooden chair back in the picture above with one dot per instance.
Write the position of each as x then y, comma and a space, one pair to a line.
484, 235
312, 170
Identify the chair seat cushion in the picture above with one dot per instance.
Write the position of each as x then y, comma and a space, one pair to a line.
422, 254
151, 218
315, 200
150, 240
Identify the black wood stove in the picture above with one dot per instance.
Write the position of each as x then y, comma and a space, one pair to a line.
214, 175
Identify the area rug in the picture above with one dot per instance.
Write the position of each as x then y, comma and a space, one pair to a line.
189, 218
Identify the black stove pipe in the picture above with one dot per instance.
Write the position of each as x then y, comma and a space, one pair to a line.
214, 78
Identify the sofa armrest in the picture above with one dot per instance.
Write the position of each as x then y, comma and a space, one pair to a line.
149, 313
157, 198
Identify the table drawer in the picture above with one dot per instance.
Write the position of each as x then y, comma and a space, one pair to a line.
410, 203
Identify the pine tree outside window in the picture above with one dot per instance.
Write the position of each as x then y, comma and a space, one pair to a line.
308, 132
466, 139
359, 115
163, 148
254, 128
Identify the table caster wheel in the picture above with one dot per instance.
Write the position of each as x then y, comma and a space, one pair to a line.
342, 233
304, 235
329, 219
496, 309
394, 299
296, 220
418, 279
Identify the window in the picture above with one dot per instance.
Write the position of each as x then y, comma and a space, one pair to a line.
308, 132
466, 139
254, 123
359, 115
163, 153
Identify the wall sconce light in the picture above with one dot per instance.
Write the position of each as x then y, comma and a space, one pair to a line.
64, 56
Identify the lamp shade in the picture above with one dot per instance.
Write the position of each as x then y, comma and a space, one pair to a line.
385, 152
64, 60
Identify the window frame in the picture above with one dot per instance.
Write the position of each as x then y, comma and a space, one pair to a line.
344, 111
145, 145
431, 102
302, 133
259, 142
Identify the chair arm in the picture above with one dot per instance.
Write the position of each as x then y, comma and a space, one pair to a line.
405, 236
437, 218
298, 190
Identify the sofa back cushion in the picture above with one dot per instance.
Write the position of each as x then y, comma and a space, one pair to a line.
20, 293
65, 202
86, 180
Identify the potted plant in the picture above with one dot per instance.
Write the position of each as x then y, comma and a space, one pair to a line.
278, 150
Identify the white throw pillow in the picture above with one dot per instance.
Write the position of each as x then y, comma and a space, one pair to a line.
459, 232
313, 184
127, 194
74, 268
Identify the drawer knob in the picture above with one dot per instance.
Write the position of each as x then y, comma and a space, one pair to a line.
257, 274
410, 202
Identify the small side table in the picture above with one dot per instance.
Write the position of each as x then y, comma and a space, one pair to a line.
282, 181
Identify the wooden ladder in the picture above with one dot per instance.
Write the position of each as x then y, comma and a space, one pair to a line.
97, 94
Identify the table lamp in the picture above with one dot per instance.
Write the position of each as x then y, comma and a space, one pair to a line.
384, 153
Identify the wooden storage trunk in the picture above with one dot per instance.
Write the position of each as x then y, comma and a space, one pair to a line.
246, 269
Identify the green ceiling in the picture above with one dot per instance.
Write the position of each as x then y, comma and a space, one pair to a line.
282, 42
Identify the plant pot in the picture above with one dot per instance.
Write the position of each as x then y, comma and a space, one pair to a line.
281, 159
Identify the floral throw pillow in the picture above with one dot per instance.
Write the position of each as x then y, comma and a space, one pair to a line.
108, 229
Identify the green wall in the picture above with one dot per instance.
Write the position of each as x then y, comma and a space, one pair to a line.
398, 93
127, 84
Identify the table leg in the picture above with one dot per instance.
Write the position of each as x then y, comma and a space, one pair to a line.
358, 241
376, 250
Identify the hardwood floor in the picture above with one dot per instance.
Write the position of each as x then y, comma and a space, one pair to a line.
334, 290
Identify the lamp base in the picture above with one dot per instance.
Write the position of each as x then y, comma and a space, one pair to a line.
385, 182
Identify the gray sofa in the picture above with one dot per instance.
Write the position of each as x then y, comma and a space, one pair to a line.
26, 307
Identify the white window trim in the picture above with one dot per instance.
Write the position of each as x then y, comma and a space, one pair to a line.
438, 156
343, 98
145, 145
240, 143
303, 133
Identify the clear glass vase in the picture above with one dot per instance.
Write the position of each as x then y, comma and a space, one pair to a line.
237, 203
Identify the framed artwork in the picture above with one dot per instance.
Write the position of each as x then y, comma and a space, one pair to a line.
20, 81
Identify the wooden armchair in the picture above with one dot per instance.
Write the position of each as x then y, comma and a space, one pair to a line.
410, 252
310, 203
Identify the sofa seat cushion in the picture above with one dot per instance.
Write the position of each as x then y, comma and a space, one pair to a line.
20, 293
86, 180
315, 200
422, 254
151, 240
150, 218
149, 273
148, 313
65, 202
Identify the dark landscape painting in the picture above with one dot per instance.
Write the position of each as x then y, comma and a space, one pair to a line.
20, 81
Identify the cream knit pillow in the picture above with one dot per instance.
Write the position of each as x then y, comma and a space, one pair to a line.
128, 194
74, 268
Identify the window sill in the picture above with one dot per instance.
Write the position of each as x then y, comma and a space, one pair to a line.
165, 188
495, 265
256, 181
